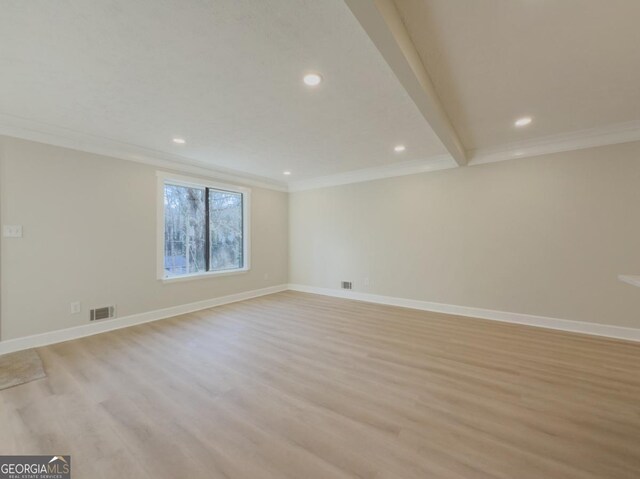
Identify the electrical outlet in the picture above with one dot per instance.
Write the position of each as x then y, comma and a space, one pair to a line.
12, 231
266, 276
76, 307
366, 281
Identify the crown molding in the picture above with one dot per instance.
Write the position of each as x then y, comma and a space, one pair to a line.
576, 140
43, 133
441, 162
63, 137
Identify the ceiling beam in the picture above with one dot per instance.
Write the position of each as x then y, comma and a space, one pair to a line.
382, 22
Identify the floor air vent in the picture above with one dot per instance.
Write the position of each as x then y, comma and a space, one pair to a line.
346, 285
103, 313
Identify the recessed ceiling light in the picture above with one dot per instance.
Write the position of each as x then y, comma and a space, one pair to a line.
286, 173
399, 148
524, 121
179, 141
312, 79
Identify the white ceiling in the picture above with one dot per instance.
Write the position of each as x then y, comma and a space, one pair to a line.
570, 64
224, 74
124, 77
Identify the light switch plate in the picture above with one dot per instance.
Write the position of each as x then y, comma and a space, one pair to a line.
12, 231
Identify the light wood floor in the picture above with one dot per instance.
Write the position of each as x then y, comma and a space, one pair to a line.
301, 386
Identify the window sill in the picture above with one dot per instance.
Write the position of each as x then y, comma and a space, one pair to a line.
209, 274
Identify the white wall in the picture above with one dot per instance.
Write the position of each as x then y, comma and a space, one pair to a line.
90, 235
545, 236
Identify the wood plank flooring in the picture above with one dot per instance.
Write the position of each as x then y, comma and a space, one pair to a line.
301, 386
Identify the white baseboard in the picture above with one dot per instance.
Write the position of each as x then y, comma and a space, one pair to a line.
44, 339
594, 329
51, 337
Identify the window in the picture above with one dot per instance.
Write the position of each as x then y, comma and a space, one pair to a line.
203, 228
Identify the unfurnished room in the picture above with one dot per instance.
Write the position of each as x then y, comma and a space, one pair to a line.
317, 239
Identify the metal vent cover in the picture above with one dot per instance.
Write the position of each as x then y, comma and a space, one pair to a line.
347, 285
103, 313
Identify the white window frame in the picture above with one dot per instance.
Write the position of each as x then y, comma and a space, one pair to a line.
169, 178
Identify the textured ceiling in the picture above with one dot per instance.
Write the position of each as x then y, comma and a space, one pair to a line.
224, 74
571, 64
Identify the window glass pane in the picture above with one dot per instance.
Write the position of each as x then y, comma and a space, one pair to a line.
184, 230
225, 221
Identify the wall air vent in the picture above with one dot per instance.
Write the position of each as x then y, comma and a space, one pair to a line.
103, 313
347, 285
